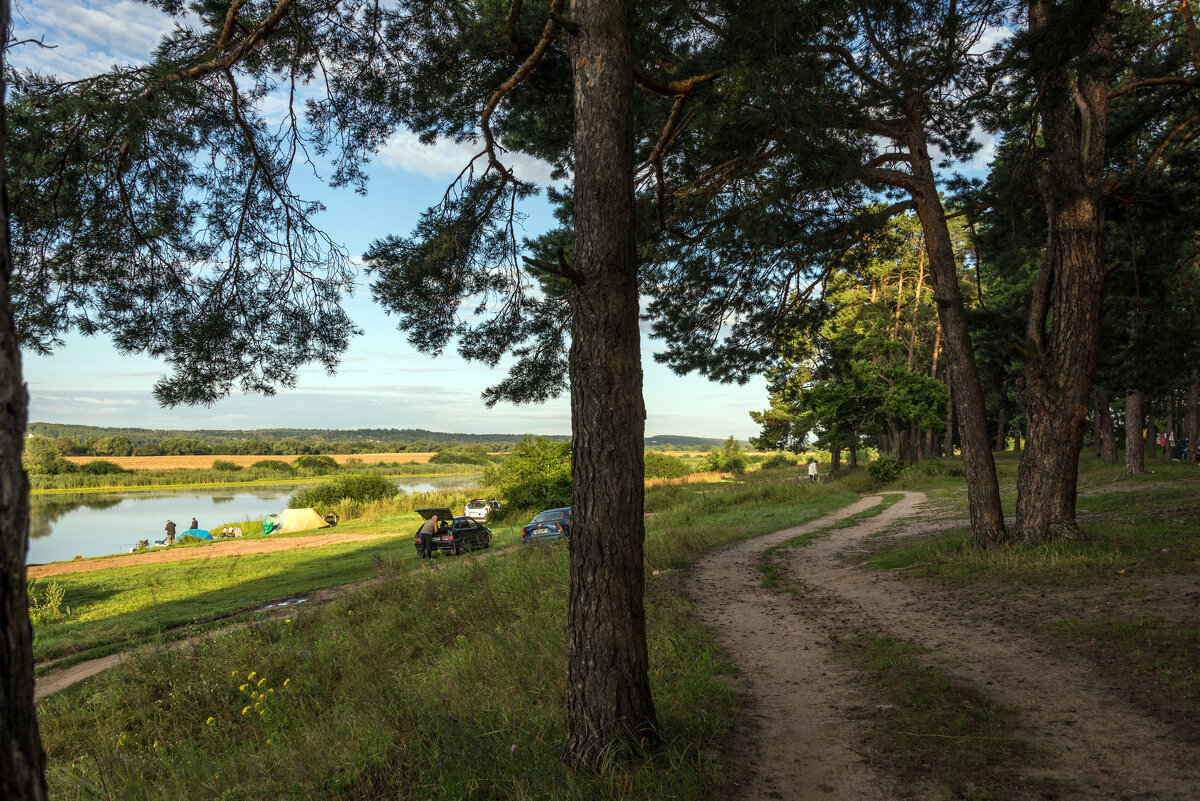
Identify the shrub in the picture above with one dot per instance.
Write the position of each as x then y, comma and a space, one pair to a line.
363, 489
101, 467
661, 465
273, 466
778, 460
885, 468
225, 464
148, 450
55, 467
321, 465
458, 457
729, 459
537, 474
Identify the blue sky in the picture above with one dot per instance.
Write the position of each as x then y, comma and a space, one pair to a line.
382, 382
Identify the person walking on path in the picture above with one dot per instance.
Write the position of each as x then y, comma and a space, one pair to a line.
170, 532
812, 471
426, 532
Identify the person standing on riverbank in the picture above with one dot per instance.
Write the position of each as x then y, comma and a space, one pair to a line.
194, 524
170, 533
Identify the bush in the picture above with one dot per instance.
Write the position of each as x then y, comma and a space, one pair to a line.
101, 467
55, 467
458, 457
226, 465
321, 465
363, 489
148, 450
885, 469
778, 460
537, 475
661, 465
729, 459
273, 466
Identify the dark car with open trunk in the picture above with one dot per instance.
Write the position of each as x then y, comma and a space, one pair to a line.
455, 535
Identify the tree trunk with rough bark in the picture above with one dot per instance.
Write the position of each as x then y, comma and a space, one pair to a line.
1135, 418
1108, 437
1001, 437
1169, 426
983, 490
1192, 415
22, 760
609, 706
1151, 433
948, 439
835, 460
1063, 332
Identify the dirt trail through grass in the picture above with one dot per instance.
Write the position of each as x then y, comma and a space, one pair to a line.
807, 731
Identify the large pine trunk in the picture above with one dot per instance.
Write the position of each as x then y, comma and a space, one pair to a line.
609, 707
1192, 415
1063, 330
1135, 419
983, 490
1169, 425
22, 761
1104, 424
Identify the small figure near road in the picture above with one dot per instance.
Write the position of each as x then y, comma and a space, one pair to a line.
426, 532
812, 471
171, 533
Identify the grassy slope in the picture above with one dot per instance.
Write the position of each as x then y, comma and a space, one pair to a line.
448, 683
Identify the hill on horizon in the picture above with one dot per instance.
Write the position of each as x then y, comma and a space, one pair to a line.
151, 436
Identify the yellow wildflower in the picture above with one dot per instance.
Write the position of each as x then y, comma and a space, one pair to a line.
289, 620
285, 682
262, 712
156, 743
233, 673
209, 722
245, 710
253, 673
268, 741
253, 695
243, 687
260, 681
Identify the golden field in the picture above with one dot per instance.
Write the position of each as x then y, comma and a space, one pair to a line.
206, 462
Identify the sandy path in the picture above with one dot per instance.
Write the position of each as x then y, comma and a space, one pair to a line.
798, 728
213, 550
808, 711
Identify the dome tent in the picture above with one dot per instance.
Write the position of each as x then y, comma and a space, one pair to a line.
293, 520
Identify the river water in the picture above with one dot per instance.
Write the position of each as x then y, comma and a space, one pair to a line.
95, 524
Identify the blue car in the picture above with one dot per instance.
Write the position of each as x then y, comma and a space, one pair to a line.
551, 524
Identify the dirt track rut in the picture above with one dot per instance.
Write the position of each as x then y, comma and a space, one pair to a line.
806, 727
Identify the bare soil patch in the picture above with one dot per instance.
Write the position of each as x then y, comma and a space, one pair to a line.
809, 727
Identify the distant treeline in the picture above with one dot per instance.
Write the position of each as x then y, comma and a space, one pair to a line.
81, 440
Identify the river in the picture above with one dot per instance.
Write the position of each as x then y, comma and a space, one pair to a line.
97, 524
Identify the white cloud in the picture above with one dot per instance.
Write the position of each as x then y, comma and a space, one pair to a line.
446, 159
87, 37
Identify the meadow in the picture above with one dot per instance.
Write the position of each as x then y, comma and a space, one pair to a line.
449, 680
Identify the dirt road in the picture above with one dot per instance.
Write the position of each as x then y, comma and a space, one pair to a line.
806, 726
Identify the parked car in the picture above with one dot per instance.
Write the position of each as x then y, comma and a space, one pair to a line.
455, 535
551, 524
480, 508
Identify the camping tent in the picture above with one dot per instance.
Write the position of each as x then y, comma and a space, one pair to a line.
198, 533
293, 520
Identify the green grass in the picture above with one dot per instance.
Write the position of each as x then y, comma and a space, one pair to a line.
1165, 650
446, 684
109, 610
939, 729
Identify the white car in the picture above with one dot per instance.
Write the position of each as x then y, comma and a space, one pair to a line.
479, 508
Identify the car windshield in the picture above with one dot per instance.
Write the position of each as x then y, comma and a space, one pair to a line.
553, 514
476, 504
